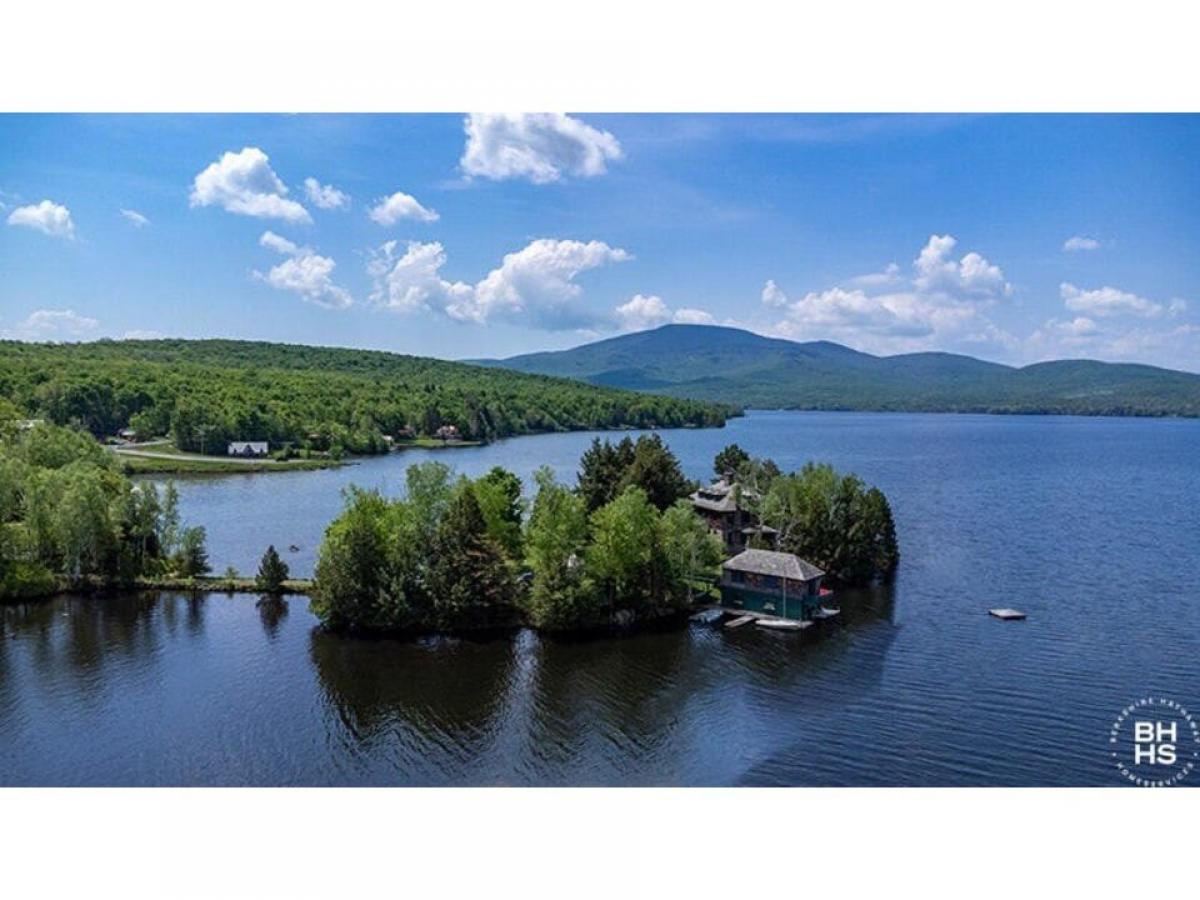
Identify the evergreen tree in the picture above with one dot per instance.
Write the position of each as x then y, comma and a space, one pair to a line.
469, 583
192, 559
656, 470
730, 460
272, 572
601, 470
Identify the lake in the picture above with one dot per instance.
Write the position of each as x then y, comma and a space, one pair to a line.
1091, 526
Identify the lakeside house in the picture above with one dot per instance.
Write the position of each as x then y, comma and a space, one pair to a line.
448, 434
248, 448
772, 583
722, 507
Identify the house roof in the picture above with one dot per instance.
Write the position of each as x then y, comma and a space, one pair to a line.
726, 503
771, 562
719, 496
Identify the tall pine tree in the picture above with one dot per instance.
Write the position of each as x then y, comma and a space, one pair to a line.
469, 583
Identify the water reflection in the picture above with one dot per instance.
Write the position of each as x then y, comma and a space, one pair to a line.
272, 610
433, 704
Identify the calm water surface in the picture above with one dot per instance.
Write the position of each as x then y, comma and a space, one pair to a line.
1092, 526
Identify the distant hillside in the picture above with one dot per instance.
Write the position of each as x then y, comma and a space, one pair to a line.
733, 366
205, 393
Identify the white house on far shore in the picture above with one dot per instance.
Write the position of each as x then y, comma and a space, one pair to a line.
248, 448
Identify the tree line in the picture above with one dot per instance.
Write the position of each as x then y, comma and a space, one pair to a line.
621, 544
207, 393
68, 516
456, 553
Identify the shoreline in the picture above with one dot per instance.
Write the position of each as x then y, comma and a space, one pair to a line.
620, 622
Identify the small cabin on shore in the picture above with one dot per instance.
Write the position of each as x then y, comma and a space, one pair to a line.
771, 583
722, 507
248, 448
448, 433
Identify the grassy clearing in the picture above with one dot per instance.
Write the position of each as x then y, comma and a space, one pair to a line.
182, 463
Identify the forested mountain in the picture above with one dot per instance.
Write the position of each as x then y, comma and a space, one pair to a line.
207, 392
733, 366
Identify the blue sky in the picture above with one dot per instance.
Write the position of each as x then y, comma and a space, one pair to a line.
1014, 238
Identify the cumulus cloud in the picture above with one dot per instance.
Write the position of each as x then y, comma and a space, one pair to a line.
47, 217
390, 210
1177, 346
1109, 301
244, 183
688, 316
52, 325
943, 299
772, 296
649, 311
538, 147
325, 196
304, 272
1077, 243
533, 286
135, 218
412, 281
972, 275
642, 312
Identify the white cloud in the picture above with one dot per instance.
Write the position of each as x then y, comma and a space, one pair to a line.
47, 217
533, 286
972, 275
649, 311
1108, 301
1175, 347
943, 300
1077, 243
642, 312
689, 316
413, 281
890, 275
304, 272
279, 244
772, 296
135, 218
325, 196
390, 210
244, 183
539, 147
52, 325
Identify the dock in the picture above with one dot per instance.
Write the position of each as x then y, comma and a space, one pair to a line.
1012, 615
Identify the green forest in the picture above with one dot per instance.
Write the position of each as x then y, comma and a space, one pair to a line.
69, 518
205, 393
621, 545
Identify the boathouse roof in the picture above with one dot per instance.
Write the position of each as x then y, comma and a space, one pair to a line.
771, 562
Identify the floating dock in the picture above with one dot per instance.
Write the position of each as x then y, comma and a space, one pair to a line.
1012, 615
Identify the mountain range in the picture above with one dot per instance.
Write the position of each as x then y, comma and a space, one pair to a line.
728, 365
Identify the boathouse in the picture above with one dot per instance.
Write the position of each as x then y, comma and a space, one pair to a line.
722, 506
770, 583
247, 448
